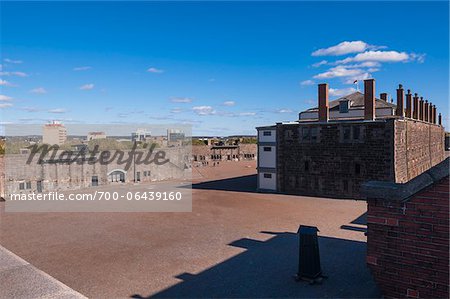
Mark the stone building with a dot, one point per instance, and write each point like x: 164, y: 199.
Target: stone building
x: 206, y: 154
x: 58, y: 174
x: 332, y: 149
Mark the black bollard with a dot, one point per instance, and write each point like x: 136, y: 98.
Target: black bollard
x: 308, y: 255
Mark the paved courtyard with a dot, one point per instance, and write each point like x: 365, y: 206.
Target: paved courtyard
x: 235, y: 243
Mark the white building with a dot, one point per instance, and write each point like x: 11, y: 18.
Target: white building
x: 54, y: 133
x: 96, y: 135
x: 267, y: 158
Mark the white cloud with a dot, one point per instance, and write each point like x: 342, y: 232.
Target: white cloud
x: 155, y: 70
x: 176, y: 110
x: 338, y: 71
x: 57, y: 110
x: 30, y: 109
x: 5, y: 105
x: 363, y: 64
x: 204, y: 110
x: 82, y: 68
x: 381, y: 56
x: 343, y: 48
x: 229, y: 103
x: 87, y: 86
x: 285, y: 111
x: 317, y: 64
x: 5, y: 98
x: 360, y: 77
x: 247, y: 114
x: 39, y: 90
x: 5, y: 83
x: 307, y: 82
x: 18, y: 74
x: 341, y: 92
x: 13, y: 61
x: 181, y: 100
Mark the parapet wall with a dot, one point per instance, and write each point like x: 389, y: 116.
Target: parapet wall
x: 418, y: 146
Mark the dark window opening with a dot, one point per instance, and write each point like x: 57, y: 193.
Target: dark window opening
x: 356, y: 132
x: 21, y: 186
x: 345, y: 185
x: 357, y: 169
x: 267, y: 149
x: 94, y: 181
x: 267, y: 175
x: 343, y: 106
x: 347, y: 133
x: 267, y: 133
x: 28, y: 186
x: 306, y: 166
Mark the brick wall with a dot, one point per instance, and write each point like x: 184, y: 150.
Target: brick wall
x: 418, y: 147
x: 408, y: 243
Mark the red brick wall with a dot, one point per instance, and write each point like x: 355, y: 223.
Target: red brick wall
x: 418, y: 146
x: 408, y: 244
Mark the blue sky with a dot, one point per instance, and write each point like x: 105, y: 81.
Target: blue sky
x: 225, y: 67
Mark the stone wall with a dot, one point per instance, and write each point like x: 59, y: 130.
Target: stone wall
x: 418, y: 147
x: 332, y: 165
x: 203, y: 154
x: 408, y: 239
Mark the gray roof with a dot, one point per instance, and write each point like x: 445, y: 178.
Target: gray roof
x: 356, y: 102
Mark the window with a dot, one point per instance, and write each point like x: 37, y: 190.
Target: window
x: 306, y: 166
x: 94, y: 180
x: 28, y: 186
x: 288, y: 134
x: 347, y: 133
x: 21, y: 186
x: 357, y: 169
x: 314, y: 134
x: 267, y: 133
x: 267, y: 149
x: 267, y: 175
x: 345, y: 185
x: 343, y: 106
x: 356, y: 132
x: 306, y: 134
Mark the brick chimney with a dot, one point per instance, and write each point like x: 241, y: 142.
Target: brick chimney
x: 426, y: 114
x: 323, y: 102
x: 400, y: 111
x: 369, y: 99
x: 421, y: 108
x: 434, y: 114
x: 430, y: 113
x: 416, y: 106
x: 408, y: 110
x: 383, y: 96
x: 440, y: 119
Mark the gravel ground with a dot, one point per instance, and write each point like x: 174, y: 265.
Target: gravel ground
x: 234, y: 243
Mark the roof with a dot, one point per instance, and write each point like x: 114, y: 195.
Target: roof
x: 356, y: 102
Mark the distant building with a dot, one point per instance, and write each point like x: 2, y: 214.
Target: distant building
x: 54, y: 133
x: 333, y: 148
x: 139, y: 135
x: 96, y: 135
x: 174, y: 135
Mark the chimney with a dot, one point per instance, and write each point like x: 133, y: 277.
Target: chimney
x: 440, y: 119
x: 323, y: 102
x: 416, y: 106
x: 421, y: 108
x: 434, y: 114
x: 427, y: 111
x: 369, y: 99
x: 408, y: 111
x: 383, y: 96
x: 400, y: 95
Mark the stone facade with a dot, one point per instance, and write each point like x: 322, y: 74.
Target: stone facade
x: 408, y: 235
x: 20, y: 177
x: 333, y: 159
x: 205, y: 154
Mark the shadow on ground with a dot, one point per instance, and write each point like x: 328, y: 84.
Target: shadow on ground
x: 245, y: 183
x: 266, y: 269
x: 361, y: 221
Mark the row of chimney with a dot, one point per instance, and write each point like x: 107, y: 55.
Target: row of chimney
x: 415, y: 108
